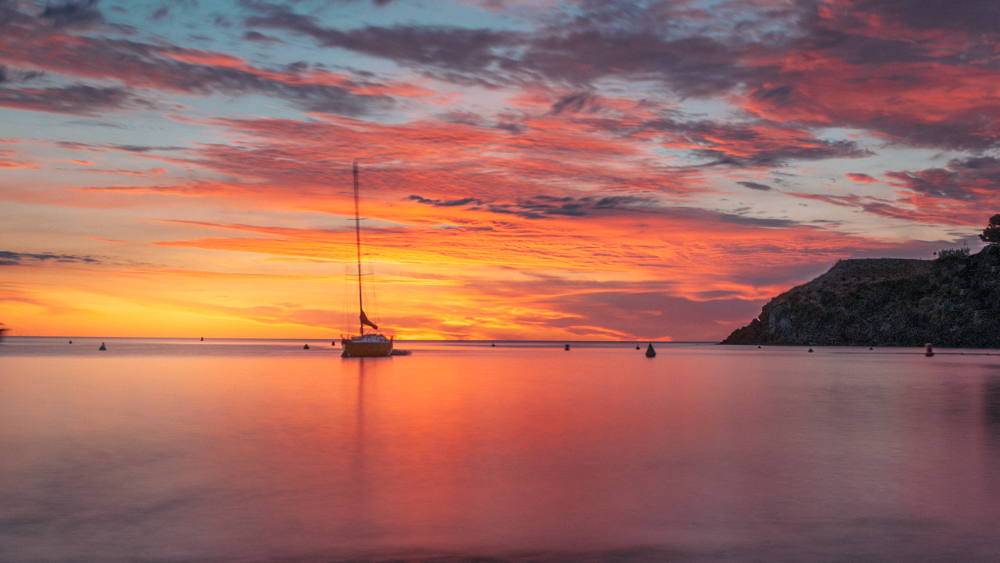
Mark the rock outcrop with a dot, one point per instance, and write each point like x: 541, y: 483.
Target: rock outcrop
x: 953, y: 302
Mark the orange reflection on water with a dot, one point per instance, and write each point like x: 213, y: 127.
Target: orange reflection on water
x: 292, y: 453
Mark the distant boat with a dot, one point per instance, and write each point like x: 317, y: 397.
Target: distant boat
x: 372, y: 344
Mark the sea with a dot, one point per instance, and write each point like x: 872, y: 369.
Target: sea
x: 178, y: 450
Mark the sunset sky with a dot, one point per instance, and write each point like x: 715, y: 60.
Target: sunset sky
x: 530, y: 169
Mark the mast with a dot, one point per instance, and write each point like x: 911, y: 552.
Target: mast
x: 357, y: 232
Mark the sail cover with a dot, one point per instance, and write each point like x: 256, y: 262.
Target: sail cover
x: 365, y: 321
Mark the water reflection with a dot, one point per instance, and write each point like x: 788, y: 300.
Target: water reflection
x: 360, y: 484
x: 501, y: 454
x: 991, y: 403
x: 991, y: 414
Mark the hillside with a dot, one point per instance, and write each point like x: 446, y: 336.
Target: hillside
x: 888, y: 302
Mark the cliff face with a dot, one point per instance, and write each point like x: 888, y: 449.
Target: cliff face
x: 888, y: 302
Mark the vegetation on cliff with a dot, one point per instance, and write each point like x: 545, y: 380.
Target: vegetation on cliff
x: 953, y: 301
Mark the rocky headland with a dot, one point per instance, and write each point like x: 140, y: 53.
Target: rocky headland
x: 953, y: 302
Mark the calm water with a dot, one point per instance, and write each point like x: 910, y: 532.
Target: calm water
x: 260, y: 451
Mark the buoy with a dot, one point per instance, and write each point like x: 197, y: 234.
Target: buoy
x: 70, y: 341
x: 202, y: 338
x: 494, y: 345
x: 870, y: 348
x: 306, y: 347
x: 810, y: 349
x: 928, y: 351
x: 567, y: 347
x: 333, y: 343
x: 650, y: 353
x: 637, y: 346
x: 758, y: 346
x: 102, y: 347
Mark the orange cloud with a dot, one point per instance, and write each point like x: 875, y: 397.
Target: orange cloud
x: 861, y: 178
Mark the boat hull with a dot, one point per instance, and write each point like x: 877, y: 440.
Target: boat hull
x: 366, y: 349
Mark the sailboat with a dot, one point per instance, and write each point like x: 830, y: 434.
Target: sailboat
x: 372, y: 344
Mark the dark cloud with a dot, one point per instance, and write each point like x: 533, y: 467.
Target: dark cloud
x: 858, y: 48
x: 8, y: 258
x: 571, y: 103
x: 984, y: 163
x: 755, y: 186
x: 975, y: 16
x: 777, y: 94
x: 811, y: 149
x: 13, y: 75
x: 73, y: 14
x: 969, y: 130
x: 460, y: 50
x: 756, y: 222
x: 451, y: 203
x: 690, y: 66
x: 758, y: 144
x: 542, y: 206
x: 144, y: 148
x: 78, y: 99
x: 258, y: 37
x: 694, y: 66
x: 965, y: 180
x: 534, y: 209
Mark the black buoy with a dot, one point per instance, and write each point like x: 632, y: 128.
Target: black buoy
x: 870, y: 348
x: 70, y: 341
x: 758, y: 346
x: 637, y: 346
x: 333, y: 343
x: 202, y: 338
x: 928, y: 350
x: 102, y: 347
x: 306, y: 347
x: 650, y: 353
x: 494, y: 345
x: 810, y: 349
x: 567, y: 347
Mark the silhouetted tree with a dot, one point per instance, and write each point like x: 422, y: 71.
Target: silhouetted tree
x: 953, y: 255
x: 991, y: 234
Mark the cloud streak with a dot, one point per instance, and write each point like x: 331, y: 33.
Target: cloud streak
x: 9, y: 258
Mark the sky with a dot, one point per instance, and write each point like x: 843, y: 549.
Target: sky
x: 543, y: 169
